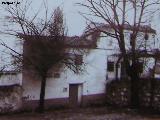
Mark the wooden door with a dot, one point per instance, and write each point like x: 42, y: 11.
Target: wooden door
x: 74, y: 95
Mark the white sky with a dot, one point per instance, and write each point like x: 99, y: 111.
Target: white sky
x: 75, y: 22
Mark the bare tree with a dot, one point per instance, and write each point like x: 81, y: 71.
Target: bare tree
x: 116, y: 15
x: 44, y: 44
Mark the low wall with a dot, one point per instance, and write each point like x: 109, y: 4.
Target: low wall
x: 10, y: 98
x: 118, y: 93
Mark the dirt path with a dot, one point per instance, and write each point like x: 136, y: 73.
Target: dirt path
x: 79, y: 114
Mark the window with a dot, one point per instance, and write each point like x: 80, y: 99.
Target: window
x: 65, y: 89
x: 146, y: 36
x: 153, y: 36
x: 56, y: 75
x: 110, y: 43
x: 110, y: 66
x: 123, y: 70
x: 49, y: 74
x: 78, y: 60
x: 53, y: 74
x: 140, y: 67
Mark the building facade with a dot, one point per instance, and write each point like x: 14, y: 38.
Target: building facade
x: 66, y: 88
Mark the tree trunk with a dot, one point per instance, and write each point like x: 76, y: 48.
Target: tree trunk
x: 134, y: 73
x: 117, y: 64
x: 134, y: 86
x: 42, y: 95
x: 116, y: 71
x: 152, y: 83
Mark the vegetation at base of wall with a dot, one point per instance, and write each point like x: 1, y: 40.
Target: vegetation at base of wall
x: 118, y: 93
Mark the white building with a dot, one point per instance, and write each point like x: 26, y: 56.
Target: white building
x: 10, y: 78
x: 64, y: 87
x: 88, y: 87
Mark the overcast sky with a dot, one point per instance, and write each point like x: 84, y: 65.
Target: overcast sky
x: 75, y: 22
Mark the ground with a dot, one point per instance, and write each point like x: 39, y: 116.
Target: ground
x: 91, y: 113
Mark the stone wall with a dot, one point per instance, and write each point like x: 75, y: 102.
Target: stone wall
x: 118, y: 93
x: 10, y: 98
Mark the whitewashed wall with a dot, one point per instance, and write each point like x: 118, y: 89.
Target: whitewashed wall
x: 11, y: 79
x: 93, y: 78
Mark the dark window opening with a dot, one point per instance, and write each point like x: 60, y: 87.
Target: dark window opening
x: 123, y: 70
x: 78, y: 60
x: 140, y: 67
x: 110, y: 66
x: 146, y: 36
x: 56, y: 75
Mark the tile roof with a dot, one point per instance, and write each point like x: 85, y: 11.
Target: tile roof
x: 141, y: 28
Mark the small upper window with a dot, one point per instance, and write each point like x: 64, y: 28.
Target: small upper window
x: 146, y: 36
x: 110, y: 66
x: 56, y: 75
x: 110, y: 43
x: 78, y: 60
x: 153, y: 36
x: 140, y: 67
